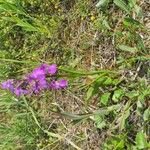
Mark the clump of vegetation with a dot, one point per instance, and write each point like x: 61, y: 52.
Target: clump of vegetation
x: 101, y: 48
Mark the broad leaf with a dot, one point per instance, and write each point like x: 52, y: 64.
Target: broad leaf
x: 128, y: 21
x: 117, y: 95
x: 89, y: 93
x: 11, y: 8
x: 104, y: 98
x: 146, y: 115
x: 108, y: 81
x: 102, y: 3
x: 127, y: 48
x: 122, y: 5
x: 126, y: 112
x: 99, y: 121
x: 141, y: 142
x: 123, y: 119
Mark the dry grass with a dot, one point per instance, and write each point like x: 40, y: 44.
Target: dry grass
x: 81, y: 37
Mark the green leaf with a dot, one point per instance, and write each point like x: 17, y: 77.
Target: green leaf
x: 106, y: 24
x: 11, y: 8
x: 142, y: 58
x: 100, y: 80
x: 107, y: 110
x: 99, y: 121
x: 144, y: 94
x: 132, y: 3
x: 120, y: 144
x: 127, y: 48
x: 74, y: 116
x: 104, y: 98
x: 132, y: 94
x: 102, y: 3
x: 27, y: 26
x: 116, y: 81
x: 128, y: 21
x: 126, y: 112
x: 117, y: 95
x: 122, y: 5
x: 138, y: 11
x: 146, y: 115
x: 123, y: 119
x: 141, y: 142
x: 108, y: 81
x: 89, y: 93
x: 85, y: 72
x: 140, y: 43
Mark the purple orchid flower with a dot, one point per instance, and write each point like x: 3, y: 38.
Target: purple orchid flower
x: 35, y: 88
x: 37, y: 73
x: 36, y: 81
x: 52, y: 69
x: 8, y: 85
x: 63, y: 83
x: 58, y: 84
x: 19, y: 91
x: 38, y: 85
x: 49, y: 69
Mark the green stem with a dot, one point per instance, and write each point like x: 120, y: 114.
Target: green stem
x: 86, y: 72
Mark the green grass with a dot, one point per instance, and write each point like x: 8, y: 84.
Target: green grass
x: 102, y: 49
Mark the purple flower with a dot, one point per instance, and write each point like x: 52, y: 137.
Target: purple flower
x: 44, y: 67
x: 37, y: 74
x: 52, y: 69
x: 36, y: 88
x: 42, y: 71
x: 54, y: 85
x: 8, y: 85
x: 63, y: 83
x: 38, y: 85
x: 58, y: 84
x: 36, y: 81
x: 42, y: 83
x: 19, y: 91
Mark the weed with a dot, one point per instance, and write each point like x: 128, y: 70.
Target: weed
x: 102, y: 49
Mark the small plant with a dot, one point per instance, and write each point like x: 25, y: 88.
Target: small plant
x: 41, y: 78
x: 96, y: 94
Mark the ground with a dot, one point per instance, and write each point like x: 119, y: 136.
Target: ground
x: 102, y: 48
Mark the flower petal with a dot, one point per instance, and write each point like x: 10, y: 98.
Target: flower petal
x: 63, y: 83
x: 58, y: 84
x: 8, y: 85
x: 52, y: 69
x: 18, y: 91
